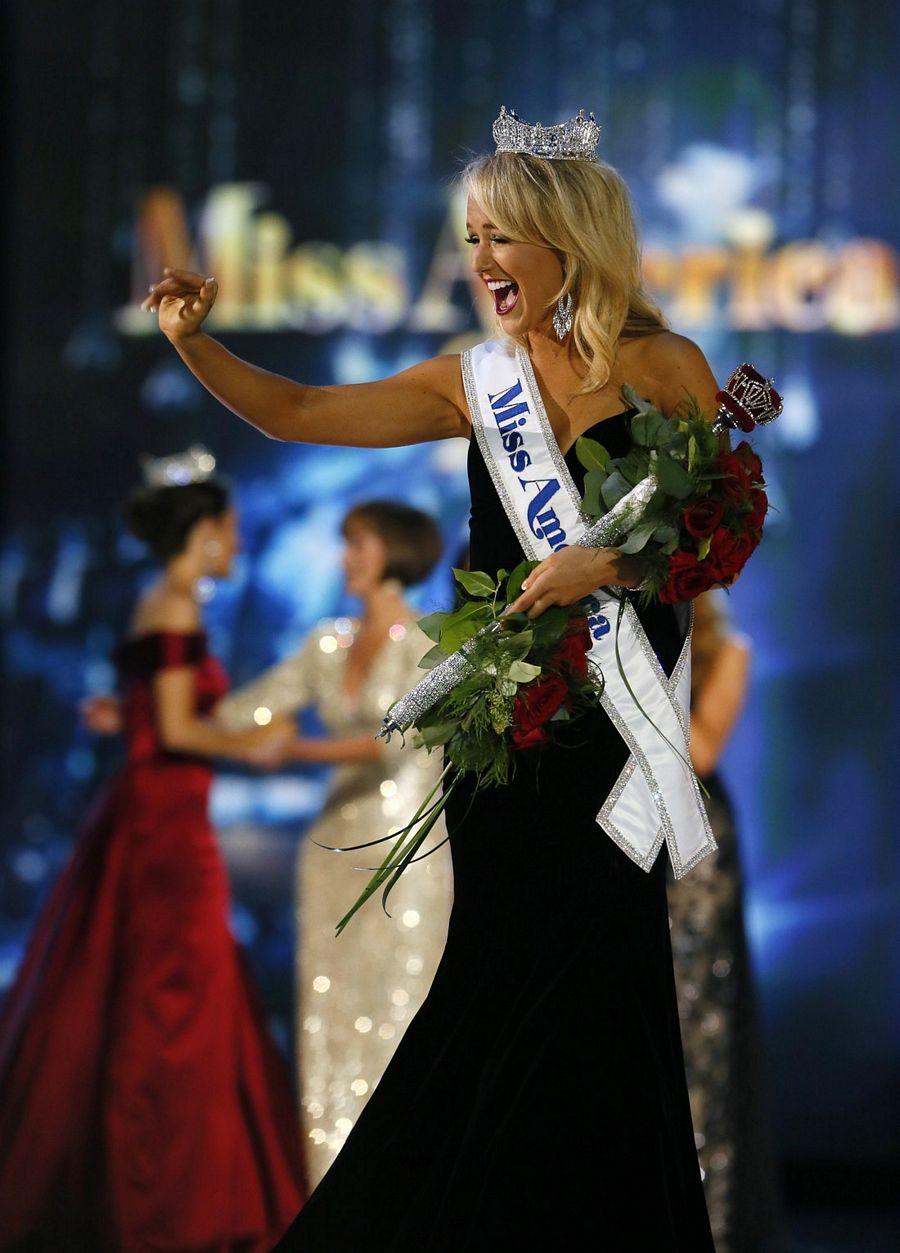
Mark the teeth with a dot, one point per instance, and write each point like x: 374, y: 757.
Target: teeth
x: 497, y: 284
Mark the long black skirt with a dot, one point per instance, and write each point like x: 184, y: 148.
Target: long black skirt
x: 538, y: 1099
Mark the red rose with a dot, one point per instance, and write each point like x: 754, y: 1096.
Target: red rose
x: 702, y: 517
x: 750, y: 461
x: 760, y: 502
x: 529, y: 739
x: 535, y: 704
x: 728, y: 553
x: 572, y: 650
x: 687, y: 578
x: 735, y: 486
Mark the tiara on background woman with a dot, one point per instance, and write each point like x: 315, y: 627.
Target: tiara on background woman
x: 194, y: 466
x: 575, y: 140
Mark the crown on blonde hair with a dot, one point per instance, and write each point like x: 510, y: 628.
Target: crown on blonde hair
x: 582, y: 210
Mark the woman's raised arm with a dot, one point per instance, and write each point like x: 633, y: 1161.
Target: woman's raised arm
x: 422, y: 403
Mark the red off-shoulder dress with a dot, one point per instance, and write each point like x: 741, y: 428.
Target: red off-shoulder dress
x: 143, y: 1104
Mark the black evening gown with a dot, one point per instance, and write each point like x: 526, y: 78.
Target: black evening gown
x: 538, y: 1099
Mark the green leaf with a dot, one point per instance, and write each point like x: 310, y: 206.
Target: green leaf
x: 432, y: 658
x: 431, y: 736
x: 672, y: 477
x: 637, y: 539
x: 647, y: 428
x: 475, y: 582
x: 593, y: 485
x: 523, y: 672
x: 665, y: 534
x: 703, y: 547
x: 514, y: 583
x: 635, y: 466
x: 591, y: 454
x: 432, y: 625
x: 562, y: 715
x: 614, y: 489
x: 517, y: 645
x: 463, y: 624
x: 551, y: 625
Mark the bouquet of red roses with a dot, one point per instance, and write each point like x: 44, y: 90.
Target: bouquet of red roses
x: 520, y: 682
x: 692, y: 508
x: 720, y: 530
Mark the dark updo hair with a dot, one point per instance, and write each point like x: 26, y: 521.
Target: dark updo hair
x: 163, y: 517
x: 411, y: 537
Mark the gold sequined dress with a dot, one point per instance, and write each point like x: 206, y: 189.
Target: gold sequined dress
x: 357, y: 993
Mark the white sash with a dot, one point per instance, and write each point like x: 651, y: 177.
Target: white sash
x: 656, y: 797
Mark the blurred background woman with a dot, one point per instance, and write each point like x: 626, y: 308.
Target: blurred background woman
x: 712, y: 967
x: 355, y: 995
x: 142, y: 1102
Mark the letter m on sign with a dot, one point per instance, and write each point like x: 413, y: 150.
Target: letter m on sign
x: 506, y: 405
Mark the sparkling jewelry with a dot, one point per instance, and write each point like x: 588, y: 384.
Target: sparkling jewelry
x: 563, y: 315
x: 574, y: 140
x: 194, y: 466
x: 747, y: 400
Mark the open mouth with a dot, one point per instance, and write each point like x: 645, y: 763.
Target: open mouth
x: 505, y: 293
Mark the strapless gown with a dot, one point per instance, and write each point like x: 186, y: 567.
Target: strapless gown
x: 538, y: 1099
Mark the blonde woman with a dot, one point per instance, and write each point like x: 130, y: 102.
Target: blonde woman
x: 538, y: 1099
x: 356, y: 996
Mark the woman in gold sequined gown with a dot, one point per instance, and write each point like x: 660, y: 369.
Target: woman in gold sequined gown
x: 355, y: 995
x: 713, y: 970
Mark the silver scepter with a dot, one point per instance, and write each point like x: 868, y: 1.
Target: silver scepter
x: 428, y: 691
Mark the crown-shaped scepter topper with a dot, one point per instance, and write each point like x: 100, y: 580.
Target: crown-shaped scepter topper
x: 574, y: 140
x: 746, y: 401
x: 194, y: 466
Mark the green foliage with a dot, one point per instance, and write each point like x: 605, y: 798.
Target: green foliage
x: 672, y: 477
x: 593, y: 484
x: 591, y: 454
x: 475, y: 582
x: 614, y: 489
x: 432, y: 658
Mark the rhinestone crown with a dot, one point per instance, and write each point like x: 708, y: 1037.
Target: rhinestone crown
x: 747, y: 400
x: 575, y: 140
x: 193, y: 466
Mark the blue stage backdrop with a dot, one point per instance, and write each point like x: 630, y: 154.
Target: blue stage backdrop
x: 304, y: 154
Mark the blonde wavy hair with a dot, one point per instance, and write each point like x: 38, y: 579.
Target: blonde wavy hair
x: 582, y: 210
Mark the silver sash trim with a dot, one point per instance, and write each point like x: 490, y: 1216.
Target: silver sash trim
x: 656, y: 797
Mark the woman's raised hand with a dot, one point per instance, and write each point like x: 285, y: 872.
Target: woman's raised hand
x: 183, y: 299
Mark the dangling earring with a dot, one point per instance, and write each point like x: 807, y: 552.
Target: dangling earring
x: 563, y: 315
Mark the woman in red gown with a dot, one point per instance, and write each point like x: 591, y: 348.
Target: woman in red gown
x: 142, y: 1103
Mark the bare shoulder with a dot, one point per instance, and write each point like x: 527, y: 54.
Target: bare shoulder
x: 164, y: 608
x: 673, y: 369
x: 442, y: 377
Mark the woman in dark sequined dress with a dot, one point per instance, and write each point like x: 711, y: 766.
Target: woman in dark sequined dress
x: 713, y: 972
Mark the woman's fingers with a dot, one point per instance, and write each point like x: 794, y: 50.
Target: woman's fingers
x: 534, y: 587
x: 176, y: 283
x: 189, y: 277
